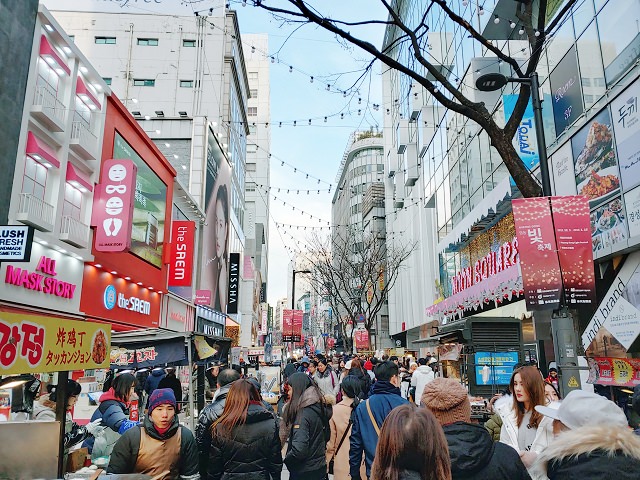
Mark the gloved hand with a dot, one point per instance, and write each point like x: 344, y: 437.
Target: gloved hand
x: 95, y: 428
x: 528, y: 458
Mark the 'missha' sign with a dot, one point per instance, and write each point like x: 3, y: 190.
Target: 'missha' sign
x: 492, y: 263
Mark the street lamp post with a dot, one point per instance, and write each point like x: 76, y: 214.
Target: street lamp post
x: 562, y: 327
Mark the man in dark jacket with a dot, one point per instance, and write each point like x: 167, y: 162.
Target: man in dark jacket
x: 385, y: 396
x: 474, y: 455
x: 593, y: 440
x: 161, y: 447
x: 153, y: 380
x: 210, y: 414
x: 171, y: 381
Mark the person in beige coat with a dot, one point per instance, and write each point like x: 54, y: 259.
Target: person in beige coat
x: 340, y: 423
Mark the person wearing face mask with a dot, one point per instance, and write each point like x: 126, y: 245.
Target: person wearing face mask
x: 369, y: 416
x: 160, y: 447
x: 524, y: 428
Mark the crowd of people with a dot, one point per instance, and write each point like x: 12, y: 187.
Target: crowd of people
x: 361, y: 418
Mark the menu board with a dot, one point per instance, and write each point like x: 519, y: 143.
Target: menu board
x: 626, y: 125
x: 595, y: 161
x: 608, y: 225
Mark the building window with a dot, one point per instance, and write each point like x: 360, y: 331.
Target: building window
x: 188, y: 43
x: 252, y: 111
x: 251, y: 167
x: 148, y: 42
x: 35, y: 178
x: 253, y: 76
x: 252, y: 129
x: 252, y: 148
x: 72, y: 202
x: 107, y: 80
x: 250, y: 187
x: 186, y: 83
x: 253, y: 93
x: 141, y: 82
x: 72, y: 38
x: 105, y: 40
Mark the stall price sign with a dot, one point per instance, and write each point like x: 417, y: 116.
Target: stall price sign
x: 37, y: 344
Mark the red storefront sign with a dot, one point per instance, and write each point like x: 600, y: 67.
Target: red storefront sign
x: 575, y: 253
x: 106, y: 296
x: 297, y: 325
x: 621, y: 372
x: 287, y: 325
x: 203, y: 297
x: 113, y: 203
x: 181, y: 263
x: 541, y: 275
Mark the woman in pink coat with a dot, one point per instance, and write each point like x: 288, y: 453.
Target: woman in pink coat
x: 338, y: 445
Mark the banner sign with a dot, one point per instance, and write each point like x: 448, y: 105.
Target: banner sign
x: 15, y: 243
x: 525, y: 141
x: 203, y: 297
x: 566, y: 91
x: 297, y: 325
x: 147, y: 356
x: 450, y: 351
x: 263, y: 323
x: 234, y: 280
x: 573, y: 238
x: 361, y: 339
x: 621, y: 372
x: 537, y: 250
x: 181, y: 263
x: 113, y: 203
x: 494, y: 368
x: 287, y: 325
x: 626, y: 125
x: 38, y: 344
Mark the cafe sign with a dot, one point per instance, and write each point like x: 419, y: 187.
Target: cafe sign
x: 33, y: 343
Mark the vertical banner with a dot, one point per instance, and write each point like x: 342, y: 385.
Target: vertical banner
x: 234, y: 280
x: 182, y: 241
x: 361, y: 339
x: 626, y: 125
x: 287, y: 325
x: 113, y: 204
x: 297, y: 325
x: 524, y: 141
x: 573, y: 237
x: 263, y: 323
x: 537, y: 248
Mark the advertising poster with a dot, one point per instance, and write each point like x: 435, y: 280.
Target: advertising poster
x: 16, y: 243
x: 566, y: 91
x: 147, y: 233
x: 595, y: 160
x: 297, y: 326
x: 573, y: 239
x: 626, y: 125
x: 632, y: 206
x: 234, y: 282
x: 37, y: 344
x: 563, y: 173
x: 494, y: 368
x: 287, y: 325
x: 215, y: 248
x: 537, y: 250
x: 621, y: 372
x: 361, y: 339
x: 608, y: 226
x: 181, y: 266
x: 525, y: 141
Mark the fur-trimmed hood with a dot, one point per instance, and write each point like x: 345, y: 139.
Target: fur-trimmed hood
x: 606, y: 441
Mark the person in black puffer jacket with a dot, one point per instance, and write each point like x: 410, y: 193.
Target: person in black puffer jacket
x: 245, y: 441
x: 474, y: 455
x: 306, y: 422
x: 210, y: 414
x: 356, y: 369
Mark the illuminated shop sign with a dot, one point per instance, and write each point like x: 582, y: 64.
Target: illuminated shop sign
x: 41, y: 280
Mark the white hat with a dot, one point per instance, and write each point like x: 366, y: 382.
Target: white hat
x: 347, y: 365
x: 432, y: 360
x: 580, y: 408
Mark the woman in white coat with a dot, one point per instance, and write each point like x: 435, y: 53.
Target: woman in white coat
x: 523, y: 428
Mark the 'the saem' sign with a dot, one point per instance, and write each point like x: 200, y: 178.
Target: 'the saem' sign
x: 487, y: 266
x: 15, y: 243
x: 234, y: 279
x: 41, y: 280
x: 181, y: 266
x: 113, y: 206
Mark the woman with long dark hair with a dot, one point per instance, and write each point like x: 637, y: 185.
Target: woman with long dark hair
x: 245, y: 441
x: 340, y: 424
x: 412, y: 446
x: 524, y: 428
x: 306, y: 421
x: 357, y: 370
x: 114, y: 412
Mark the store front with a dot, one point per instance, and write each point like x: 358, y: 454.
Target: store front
x: 177, y: 314
x: 210, y: 322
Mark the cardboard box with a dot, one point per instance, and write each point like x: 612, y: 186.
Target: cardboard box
x: 76, y: 459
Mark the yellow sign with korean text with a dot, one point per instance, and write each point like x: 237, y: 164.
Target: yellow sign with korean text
x: 38, y: 344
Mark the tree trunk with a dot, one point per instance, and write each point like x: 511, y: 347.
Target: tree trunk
x: 523, y: 178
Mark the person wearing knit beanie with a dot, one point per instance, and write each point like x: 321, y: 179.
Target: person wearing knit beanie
x: 474, y: 455
x: 448, y: 400
x: 161, y: 396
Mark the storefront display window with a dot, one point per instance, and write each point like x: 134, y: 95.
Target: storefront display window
x: 620, y: 38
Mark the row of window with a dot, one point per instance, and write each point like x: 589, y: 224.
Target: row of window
x: 146, y: 42
x: 150, y: 82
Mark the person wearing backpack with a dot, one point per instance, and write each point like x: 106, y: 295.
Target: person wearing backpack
x: 340, y: 423
x: 306, y: 423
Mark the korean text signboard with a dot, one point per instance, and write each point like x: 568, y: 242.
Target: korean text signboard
x: 494, y: 368
x: 15, y: 243
x: 537, y: 249
x: 621, y: 372
x: 573, y: 238
x: 626, y: 125
x: 566, y: 91
x: 292, y: 325
x: 181, y: 263
x: 113, y: 206
x: 33, y: 343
